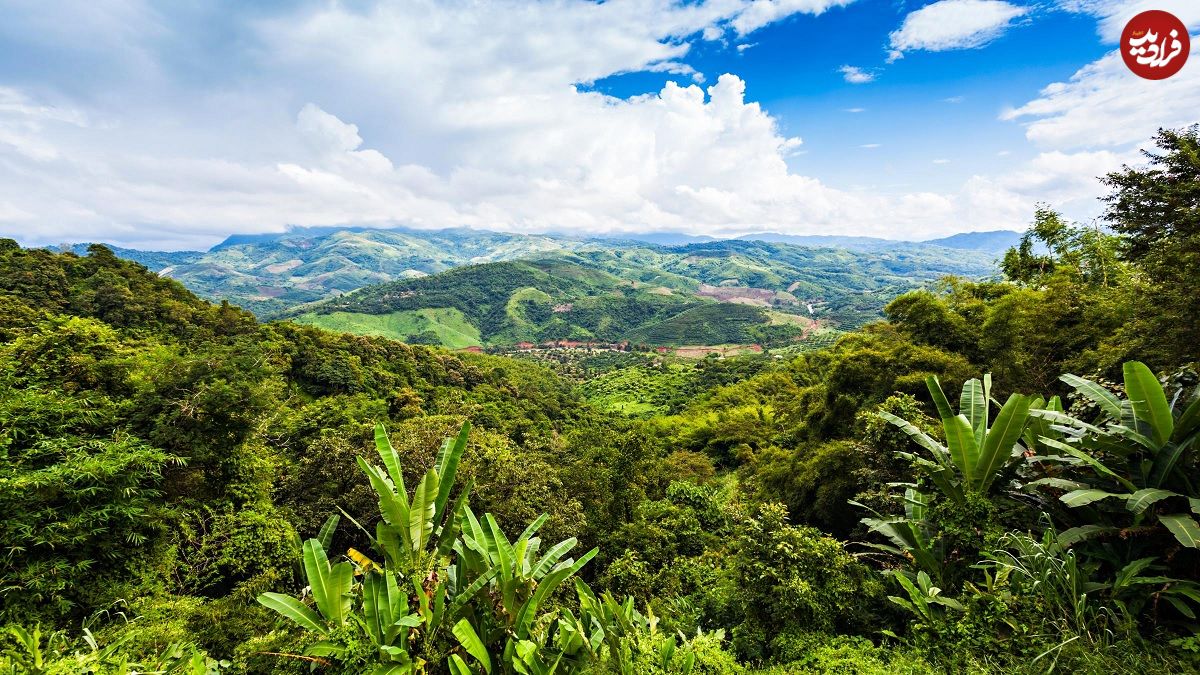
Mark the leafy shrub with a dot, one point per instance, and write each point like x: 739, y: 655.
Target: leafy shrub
x: 30, y: 650
x: 793, y: 578
x: 823, y: 654
x: 77, y: 514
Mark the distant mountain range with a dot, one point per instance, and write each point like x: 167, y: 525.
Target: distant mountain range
x: 995, y: 241
x: 302, y: 273
x: 709, y: 293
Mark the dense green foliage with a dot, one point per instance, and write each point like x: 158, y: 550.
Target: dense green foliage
x: 998, y: 478
x: 699, y: 294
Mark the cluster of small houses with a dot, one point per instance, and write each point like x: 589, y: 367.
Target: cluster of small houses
x: 626, y: 346
x: 574, y: 344
x: 563, y: 344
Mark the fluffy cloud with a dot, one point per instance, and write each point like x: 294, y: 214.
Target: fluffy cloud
x: 1103, y: 104
x: 424, y: 114
x: 856, y: 75
x: 953, y: 24
x: 1087, y: 126
x: 760, y: 13
x: 1114, y: 14
x: 1069, y: 181
x: 433, y: 114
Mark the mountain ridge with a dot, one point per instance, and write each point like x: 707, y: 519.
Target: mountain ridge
x: 271, y: 273
x: 719, y: 292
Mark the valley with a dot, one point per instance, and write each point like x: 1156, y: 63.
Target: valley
x: 463, y: 288
x: 694, y: 295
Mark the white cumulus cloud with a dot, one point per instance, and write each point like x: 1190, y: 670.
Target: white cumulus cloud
x: 436, y: 114
x: 953, y: 24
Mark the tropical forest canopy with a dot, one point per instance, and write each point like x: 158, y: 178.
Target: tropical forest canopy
x: 998, y: 476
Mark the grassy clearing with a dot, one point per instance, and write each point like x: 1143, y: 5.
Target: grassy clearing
x: 449, y: 324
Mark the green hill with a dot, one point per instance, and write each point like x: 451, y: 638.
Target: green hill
x: 714, y: 324
x: 704, y: 293
x: 445, y: 326
x: 507, y: 302
x: 273, y: 272
x: 270, y: 274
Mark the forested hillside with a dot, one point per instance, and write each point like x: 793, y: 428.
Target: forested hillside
x: 271, y: 273
x: 999, y: 476
x: 699, y: 294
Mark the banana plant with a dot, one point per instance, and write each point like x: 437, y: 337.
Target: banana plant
x: 617, y: 632
x: 1135, y: 454
x: 330, y: 586
x: 908, y: 534
x: 978, y: 448
x: 324, y: 536
x: 414, y: 531
x: 924, y: 599
x: 465, y: 633
x: 425, y: 589
x: 388, y: 619
x: 523, y: 580
x: 389, y: 613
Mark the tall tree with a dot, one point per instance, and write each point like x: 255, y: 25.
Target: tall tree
x: 1157, y: 209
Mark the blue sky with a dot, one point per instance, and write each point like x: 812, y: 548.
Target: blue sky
x: 927, y: 106
x: 172, y: 125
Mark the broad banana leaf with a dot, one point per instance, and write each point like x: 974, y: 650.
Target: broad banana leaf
x: 325, y: 536
x: 939, y: 452
x: 1102, y: 397
x: 974, y: 404
x: 1143, y: 498
x: 420, y: 514
x: 391, y: 459
x: 469, y: 639
x: 293, y: 609
x: 392, y: 506
x: 330, y: 584
x: 462, y: 597
x: 1149, y: 402
x: 939, y: 397
x: 1068, y: 538
x: 499, y: 547
x: 1089, y: 460
x: 447, y: 467
x: 552, y: 557
x: 528, y: 612
x: 451, y: 524
x: 1076, y: 498
x: 458, y: 666
x: 1184, y: 528
x: 997, y: 447
x: 960, y: 438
